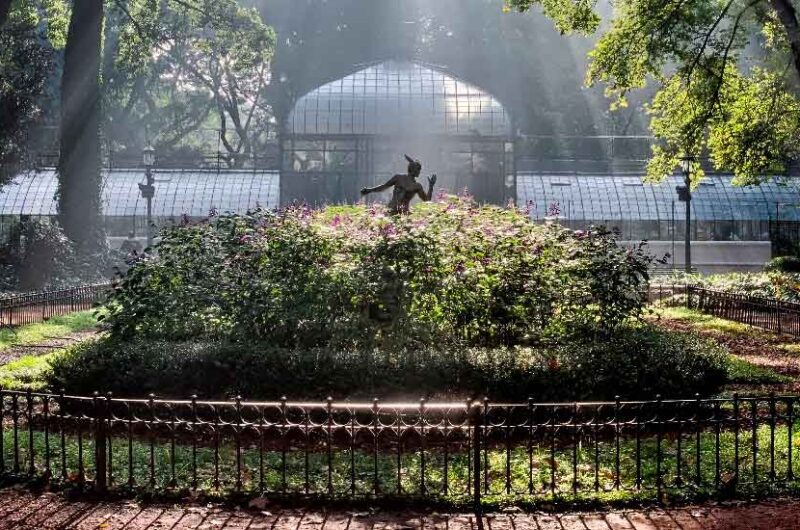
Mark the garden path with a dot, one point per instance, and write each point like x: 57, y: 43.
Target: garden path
x: 45, y: 346
x: 20, y: 510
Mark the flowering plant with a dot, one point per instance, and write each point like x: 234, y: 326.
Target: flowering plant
x: 351, y: 277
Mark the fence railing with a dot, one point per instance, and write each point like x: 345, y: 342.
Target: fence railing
x: 29, y: 308
x: 468, y: 452
x: 772, y: 315
x: 672, y: 295
x: 765, y: 313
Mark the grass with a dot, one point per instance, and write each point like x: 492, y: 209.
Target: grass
x: 27, y: 373
x: 158, y: 467
x: 744, y: 372
x: 54, y: 327
x: 703, y: 322
x: 739, y: 370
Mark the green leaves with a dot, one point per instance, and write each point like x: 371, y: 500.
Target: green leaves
x: 185, y: 65
x: 568, y: 15
x: 710, y: 97
x: 353, y: 278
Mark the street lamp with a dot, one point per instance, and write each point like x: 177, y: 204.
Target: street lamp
x: 148, y: 190
x: 685, y: 195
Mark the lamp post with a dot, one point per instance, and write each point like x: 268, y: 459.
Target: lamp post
x: 148, y: 190
x: 685, y: 195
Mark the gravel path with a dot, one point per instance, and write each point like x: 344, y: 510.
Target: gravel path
x: 22, y: 510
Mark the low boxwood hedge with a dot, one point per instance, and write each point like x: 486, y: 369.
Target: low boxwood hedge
x: 638, y: 363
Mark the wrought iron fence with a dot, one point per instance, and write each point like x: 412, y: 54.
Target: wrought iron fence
x: 671, y: 295
x: 29, y: 308
x: 772, y: 315
x: 468, y: 452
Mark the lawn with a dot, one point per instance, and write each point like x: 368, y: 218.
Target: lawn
x: 28, y: 371
x: 758, y: 357
x: 58, y: 326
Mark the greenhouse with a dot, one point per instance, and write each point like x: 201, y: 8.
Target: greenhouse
x: 720, y: 210
x: 353, y: 132
x: 180, y: 194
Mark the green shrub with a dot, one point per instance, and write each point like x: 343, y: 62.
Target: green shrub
x: 790, y: 264
x: 638, y: 362
x: 351, y: 278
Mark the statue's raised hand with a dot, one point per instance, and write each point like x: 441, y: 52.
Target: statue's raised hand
x: 431, y: 180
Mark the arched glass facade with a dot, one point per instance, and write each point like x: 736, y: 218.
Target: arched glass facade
x: 354, y: 131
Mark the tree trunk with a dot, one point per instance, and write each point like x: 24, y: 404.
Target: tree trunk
x: 788, y: 17
x: 80, y: 162
x: 5, y: 7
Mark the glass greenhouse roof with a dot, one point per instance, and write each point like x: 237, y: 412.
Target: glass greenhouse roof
x: 395, y: 98
x: 608, y: 198
x: 178, y: 192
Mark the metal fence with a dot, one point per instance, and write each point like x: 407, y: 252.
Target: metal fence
x: 468, y: 452
x: 671, y: 295
x: 772, y: 315
x: 29, y: 308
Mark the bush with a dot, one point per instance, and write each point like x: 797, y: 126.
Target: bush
x: 790, y: 264
x: 638, y: 363
x: 351, y: 278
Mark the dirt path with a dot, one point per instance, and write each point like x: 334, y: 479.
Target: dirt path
x: 760, y: 348
x: 45, y: 346
x: 22, y: 510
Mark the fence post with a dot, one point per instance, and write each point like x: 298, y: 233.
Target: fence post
x: 100, y: 452
x: 475, y: 419
x: 689, y: 296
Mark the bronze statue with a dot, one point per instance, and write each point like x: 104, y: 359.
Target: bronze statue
x: 405, y: 188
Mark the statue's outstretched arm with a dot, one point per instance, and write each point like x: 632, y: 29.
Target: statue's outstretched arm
x: 391, y: 182
x: 421, y: 192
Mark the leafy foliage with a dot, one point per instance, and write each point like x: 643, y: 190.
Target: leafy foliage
x: 727, y: 73
x: 639, y: 362
x: 28, y: 38
x: 39, y: 256
x: 788, y: 264
x: 188, y: 65
x: 353, y: 277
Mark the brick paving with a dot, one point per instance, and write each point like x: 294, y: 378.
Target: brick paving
x: 20, y: 509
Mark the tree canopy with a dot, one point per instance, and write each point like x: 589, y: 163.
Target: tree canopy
x: 31, y: 31
x: 727, y: 74
x: 182, y: 66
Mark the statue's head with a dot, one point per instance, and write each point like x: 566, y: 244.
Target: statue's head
x: 414, y: 167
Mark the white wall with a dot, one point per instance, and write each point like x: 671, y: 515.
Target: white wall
x: 710, y: 257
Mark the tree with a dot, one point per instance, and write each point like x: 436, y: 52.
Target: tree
x: 727, y: 74
x: 80, y: 159
x: 193, y: 65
